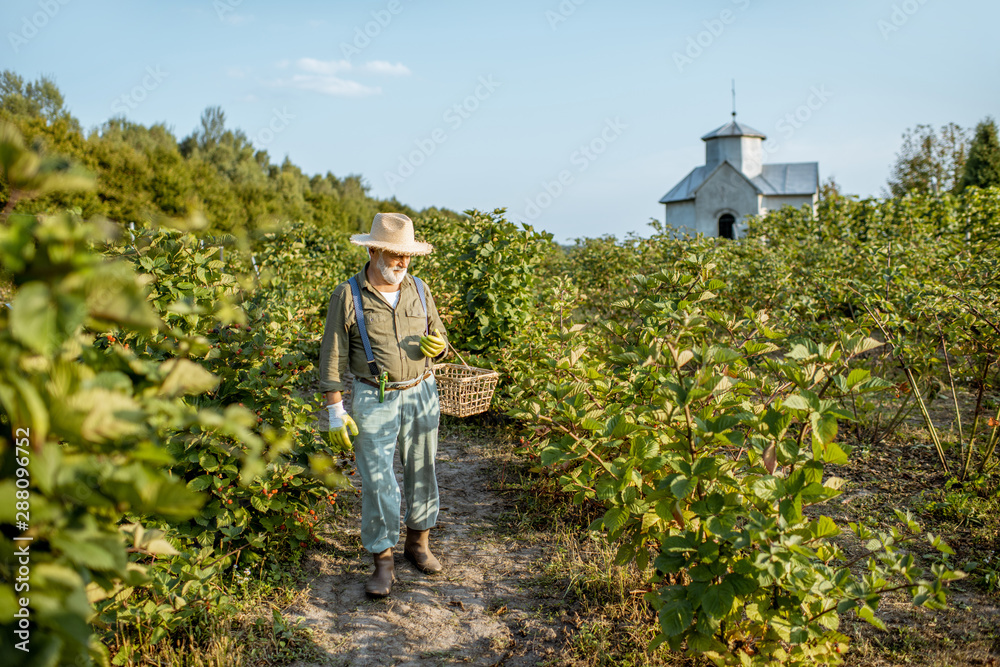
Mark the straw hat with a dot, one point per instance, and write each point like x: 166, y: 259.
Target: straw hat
x: 393, y: 232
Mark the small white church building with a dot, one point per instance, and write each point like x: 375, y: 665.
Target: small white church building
x: 733, y: 183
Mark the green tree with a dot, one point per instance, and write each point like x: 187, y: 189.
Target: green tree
x: 982, y: 169
x: 40, y: 99
x: 929, y: 160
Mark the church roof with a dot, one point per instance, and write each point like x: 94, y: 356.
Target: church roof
x: 793, y: 178
x: 733, y: 129
x: 685, y: 189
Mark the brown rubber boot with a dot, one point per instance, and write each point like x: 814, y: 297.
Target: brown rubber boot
x: 380, y: 584
x: 417, y: 551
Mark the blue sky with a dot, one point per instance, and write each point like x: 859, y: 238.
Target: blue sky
x: 575, y: 115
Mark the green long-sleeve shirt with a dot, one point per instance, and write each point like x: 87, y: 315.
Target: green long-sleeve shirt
x: 394, y: 333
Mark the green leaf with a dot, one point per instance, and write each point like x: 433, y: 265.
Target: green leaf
x: 109, y: 415
x: 769, y: 488
x: 90, y: 551
x: 184, y: 376
x: 682, y: 486
x: 619, y: 427
x: 868, y: 614
x: 718, y: 599
x: 831, y: 453
x: 940, y: 544
x: 742, y: 584
x: 705, y: 467
x: 161, y: 546
x: 200, y: 483
x: 173, y: 500
x: 675, y: 617
x: 208, y: 461
x: 33, y: 318
x: 824, y: 527
x: 796, y: 402
x: 708, y: 507
x: 857, y: 376
x: 824, y: 428
x: 614, y: 519
x: 114, y: 295
x: 790, y: 509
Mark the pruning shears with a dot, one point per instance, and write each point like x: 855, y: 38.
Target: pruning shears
x: 382, y: 379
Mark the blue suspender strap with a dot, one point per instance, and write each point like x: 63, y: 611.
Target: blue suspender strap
x: 359, y: 314
x: 427, y: 318
x: 423, y: 303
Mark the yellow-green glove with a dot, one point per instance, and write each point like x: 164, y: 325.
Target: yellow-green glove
x: 342, y: 427
x: 432, y: 345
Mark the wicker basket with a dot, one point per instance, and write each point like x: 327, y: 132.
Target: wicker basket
x: 464, y: 390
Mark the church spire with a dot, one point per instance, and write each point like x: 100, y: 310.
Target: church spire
x: 734, y: 100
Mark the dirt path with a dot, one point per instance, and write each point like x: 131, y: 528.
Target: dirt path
x: 491, y: 606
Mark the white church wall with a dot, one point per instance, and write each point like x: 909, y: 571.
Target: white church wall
x: 752, y: 156
x: 681, y: 216
x: 726, y: 191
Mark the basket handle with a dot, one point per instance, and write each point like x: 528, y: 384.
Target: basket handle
x: 464, y: 362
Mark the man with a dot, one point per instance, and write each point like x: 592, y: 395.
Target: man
x: 394, y: 395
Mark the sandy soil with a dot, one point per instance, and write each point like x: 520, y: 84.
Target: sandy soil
x: 491, y: 605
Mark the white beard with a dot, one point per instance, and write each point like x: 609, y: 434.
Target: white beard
x: 389, y: 274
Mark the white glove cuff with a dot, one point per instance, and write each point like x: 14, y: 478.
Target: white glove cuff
x: 337, y: 409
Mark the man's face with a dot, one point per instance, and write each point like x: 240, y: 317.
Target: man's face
x: 390, y: 265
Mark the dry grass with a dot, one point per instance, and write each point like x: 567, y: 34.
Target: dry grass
x: 246, y: 640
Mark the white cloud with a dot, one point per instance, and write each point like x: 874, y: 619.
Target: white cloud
x: 237, y: 72
x: 331, y: 85
x: 327, y: 76
x: 323, y: 66
x: 387, y: 68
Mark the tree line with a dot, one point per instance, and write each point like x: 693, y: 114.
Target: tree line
x: 146, y: 173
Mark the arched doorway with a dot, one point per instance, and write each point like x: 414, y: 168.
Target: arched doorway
x: 726, y: 223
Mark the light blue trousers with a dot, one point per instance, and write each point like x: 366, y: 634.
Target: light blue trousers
x: 410, y: 418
